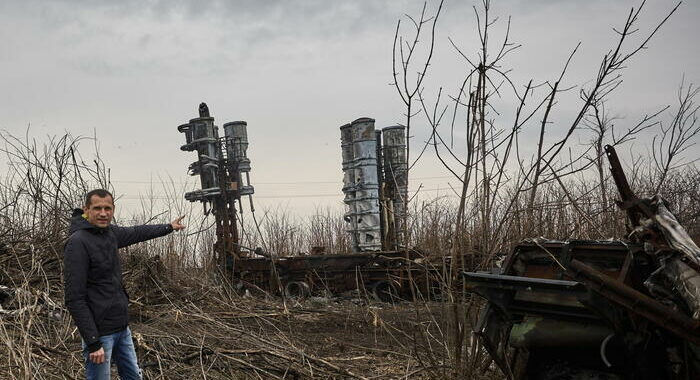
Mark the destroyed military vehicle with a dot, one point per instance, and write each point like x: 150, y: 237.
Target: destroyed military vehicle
x: 619, y: 309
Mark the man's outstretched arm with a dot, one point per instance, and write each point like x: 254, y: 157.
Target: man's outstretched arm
x: 131, y: 235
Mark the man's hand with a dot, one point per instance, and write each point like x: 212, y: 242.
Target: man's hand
x: 98, y: 357
x: 177, y: 225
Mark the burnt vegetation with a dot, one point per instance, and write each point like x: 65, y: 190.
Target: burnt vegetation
x: 190, y: 322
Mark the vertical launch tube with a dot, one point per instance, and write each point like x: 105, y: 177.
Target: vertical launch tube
x: 396, y: 174
x: 349, y: 182
x: 236, y: 133
x: 366, y: 216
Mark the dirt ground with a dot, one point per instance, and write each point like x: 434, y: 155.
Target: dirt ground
x: 373, y: 339
x: 357, y: 338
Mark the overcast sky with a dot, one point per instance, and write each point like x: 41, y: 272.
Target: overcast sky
x: 132, y: 71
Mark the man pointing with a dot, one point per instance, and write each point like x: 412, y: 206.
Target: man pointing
x: 94, y: 291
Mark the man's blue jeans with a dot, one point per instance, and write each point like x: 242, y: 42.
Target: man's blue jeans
x: 119, y: 347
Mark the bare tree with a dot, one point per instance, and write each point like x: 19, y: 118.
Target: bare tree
x: 602, y: 127
x: 676, y: 137
x: 405, y: 53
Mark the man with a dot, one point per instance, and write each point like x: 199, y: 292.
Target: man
x: 94, y: 292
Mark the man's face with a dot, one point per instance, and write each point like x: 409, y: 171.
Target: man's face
x: 100, y: 211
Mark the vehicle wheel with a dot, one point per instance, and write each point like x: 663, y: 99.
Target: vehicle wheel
x: 384, y: 291
x: 297, y: 289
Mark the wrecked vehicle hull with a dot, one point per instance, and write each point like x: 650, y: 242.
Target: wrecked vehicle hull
x: 382, y: 275
x: 598, y: 309
x: 570, y: 308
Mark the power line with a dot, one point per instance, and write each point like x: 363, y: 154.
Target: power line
x: 160, y: 196
x: 263, y: 183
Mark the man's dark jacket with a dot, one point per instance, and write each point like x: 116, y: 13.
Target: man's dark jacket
x: 95, y: 294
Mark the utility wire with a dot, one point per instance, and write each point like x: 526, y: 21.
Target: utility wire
x: 264, y: 183
x: 339, y: 194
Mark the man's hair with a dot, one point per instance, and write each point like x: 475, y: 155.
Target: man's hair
x: 102, y: 193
